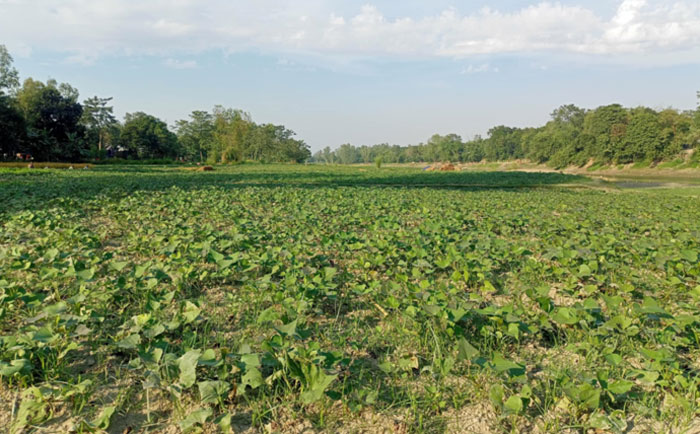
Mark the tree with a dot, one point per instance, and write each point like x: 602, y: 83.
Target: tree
x: 606, y: 125
x: 9, y: 78
x: 446, y: 148
x: 12, y: 129
x: 503, y: 144
x: 676, y: 133
x: 642, y: 138
x: 98, y: 117
x: 52, y: 120
x: 348, y: 154
x: 230, y: 130
x: 146, y: 136
x: 569, y: 115
x: 325, y: 155
x: 558, y: 140
x: 474, y: 150
x: 694, y: 133
x: 196, y: 135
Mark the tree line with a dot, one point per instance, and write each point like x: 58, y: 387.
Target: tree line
x: 610, y: 134
x: 45, y: 121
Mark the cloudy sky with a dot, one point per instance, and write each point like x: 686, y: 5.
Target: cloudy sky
x: 366, y: 71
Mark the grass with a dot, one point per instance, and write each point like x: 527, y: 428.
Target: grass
x: 345, y: 299
x: 671, y: 164
x: 42, y: 165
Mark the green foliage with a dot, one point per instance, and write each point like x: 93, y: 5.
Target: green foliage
x: 204, y: 299
x: 9, y: 78
x: 574, y: 136
x: 98, y: 118
x: 52, y: 116
x: 46, y: 122
x: 146, y: 136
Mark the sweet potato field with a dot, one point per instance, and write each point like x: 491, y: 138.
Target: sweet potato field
x: 326, y: 299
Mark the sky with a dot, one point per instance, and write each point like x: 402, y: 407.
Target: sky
x: 363, y: 72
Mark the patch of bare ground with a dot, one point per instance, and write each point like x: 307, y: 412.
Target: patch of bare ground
x: 640, y: 425
x: 371, y: 422
x: 9, y: 399
x: 473, y: 418
x: 557, y: 356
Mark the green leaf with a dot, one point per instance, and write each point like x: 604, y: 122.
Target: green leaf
x: 465, y: 350
x: 33, y: 409
x: 268, y: 315
x: 152, y: 356
x: 130, y: 342
x: 613, y: 359
x: 250, y: 360
x: 287, y: 329
x: 117, y: 265
x: 224, y: 422
x: 386, y: 367
x: 211, y: 391
x: 316, y: 383
x: 564, y: 315
x: 585, y: 395
x: 689, y: 255
x: 651, y: 306
x: 86, y: 274
x: 514, y: 404
x: 198, y: 417
x: 620, y: 386
x: 433, y: 309
x: 584, y: 270
x: 56, y: 309
x: 190, y: 312
x: 105, y: 418
x: 501, y: 365
x: 329, y: 273
x: 154, y: 331
x: 496, y: 395
x: 188, y: 368
x: 208, y: 358
x: 43, y: 335
x: 15, y: 366
x: 252, y: 378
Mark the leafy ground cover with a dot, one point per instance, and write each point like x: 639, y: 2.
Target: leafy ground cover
x: 295, y: 298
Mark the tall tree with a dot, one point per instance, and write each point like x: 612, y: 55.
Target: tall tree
x: 230, y: 130
x: 196, y: 135
x: 146, y: 136
x: 348, y: 154
x: 12, y: 129
x: 503, y: 144
x: 9, y: 78
x: 606, y: 125
x: 53, y: 121
x: 642, y: 138
x: 98, y: 117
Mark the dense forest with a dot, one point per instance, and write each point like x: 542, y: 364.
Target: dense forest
x: 46, y: 121
x: 610, y: 134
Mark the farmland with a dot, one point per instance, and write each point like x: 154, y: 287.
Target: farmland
x: 295, y: 298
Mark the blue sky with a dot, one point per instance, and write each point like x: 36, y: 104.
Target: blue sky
x: 363, y: 72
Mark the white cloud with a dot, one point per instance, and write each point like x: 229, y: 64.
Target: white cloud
x: 83, y: 29
x: 477, y: 69
x: 180, y: 64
